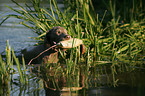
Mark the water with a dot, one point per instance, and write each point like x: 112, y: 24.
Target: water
x: 19, y: 38
x: 130, y: 83
x: 18, y: 35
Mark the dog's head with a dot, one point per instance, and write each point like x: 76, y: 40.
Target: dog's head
x: 55, y: 35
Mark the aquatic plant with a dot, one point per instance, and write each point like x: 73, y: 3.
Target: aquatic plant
x: 119, y: 40
x: 7, y: 71
x: 112, y: 42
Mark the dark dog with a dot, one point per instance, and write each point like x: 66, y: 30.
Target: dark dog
x: 53, y: 36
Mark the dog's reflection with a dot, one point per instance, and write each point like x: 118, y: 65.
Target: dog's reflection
x: 56, y: 82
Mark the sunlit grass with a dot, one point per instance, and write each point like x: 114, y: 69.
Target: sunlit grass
x: 115, y: 39
x: 107, y: 43
x: 7, y: 71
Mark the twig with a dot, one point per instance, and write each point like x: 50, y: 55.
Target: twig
x: 41, y: 53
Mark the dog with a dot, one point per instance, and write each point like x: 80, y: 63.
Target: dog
x: 53, y: 36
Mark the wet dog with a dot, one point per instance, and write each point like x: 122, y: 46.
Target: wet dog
x: 53, y: 36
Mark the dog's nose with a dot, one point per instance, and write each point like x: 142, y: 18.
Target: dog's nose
x: 67, y: 37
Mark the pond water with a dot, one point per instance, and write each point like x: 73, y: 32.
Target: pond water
x: 129, y: 83
x: 18, y: 35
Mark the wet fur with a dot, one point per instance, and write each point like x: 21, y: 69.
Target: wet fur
x: 53, y: 36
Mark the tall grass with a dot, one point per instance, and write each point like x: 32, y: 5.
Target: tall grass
x: 107, y: 41
x: 7, y: 71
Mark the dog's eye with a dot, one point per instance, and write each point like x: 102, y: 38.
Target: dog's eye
x: 58, y: 32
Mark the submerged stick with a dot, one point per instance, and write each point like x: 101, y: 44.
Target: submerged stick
x: 41, y: 53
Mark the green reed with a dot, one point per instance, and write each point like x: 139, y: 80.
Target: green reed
x: 107, y: 41
x: 5, y: 70
x: 22, y: 73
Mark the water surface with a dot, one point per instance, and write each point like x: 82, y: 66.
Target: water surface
x: 18, y: 35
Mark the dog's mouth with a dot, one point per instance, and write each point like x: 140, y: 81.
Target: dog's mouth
x: 66, y: 37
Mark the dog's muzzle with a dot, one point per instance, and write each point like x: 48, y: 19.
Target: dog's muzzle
x: 62, y: 37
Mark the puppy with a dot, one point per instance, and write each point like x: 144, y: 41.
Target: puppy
x: 53, y: 36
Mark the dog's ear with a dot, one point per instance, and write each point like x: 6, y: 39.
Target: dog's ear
x: 47, y: 40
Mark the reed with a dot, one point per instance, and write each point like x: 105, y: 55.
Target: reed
x: 22, y: 73
x: 6, y: 69
x: 107, y: 41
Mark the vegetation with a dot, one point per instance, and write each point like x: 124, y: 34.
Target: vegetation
x: 111, y: 36
x: 122, y: 40
x: 7, y: 71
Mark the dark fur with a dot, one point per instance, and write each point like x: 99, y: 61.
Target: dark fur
x: 53, y: 36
